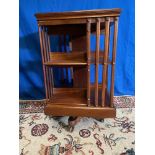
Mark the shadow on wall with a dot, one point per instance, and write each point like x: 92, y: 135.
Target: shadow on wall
x: 31, y: 82
x: 30, y: 68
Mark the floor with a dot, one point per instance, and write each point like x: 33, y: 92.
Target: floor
x: 43, y: 135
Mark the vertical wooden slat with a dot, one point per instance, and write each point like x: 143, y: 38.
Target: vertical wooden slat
x: 47, y: 68
x: 106, y: 46
x: 113, y: 60
x: 43, y: 60
x: 88, y: 28
x: 106, y: 89
x: 50, y: 69
x: 97, y: 60
x: 46, y: 59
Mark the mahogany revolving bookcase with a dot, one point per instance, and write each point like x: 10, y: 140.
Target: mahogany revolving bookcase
x: 65, y: 40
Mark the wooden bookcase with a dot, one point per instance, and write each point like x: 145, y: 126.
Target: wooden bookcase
x: 73, y: 31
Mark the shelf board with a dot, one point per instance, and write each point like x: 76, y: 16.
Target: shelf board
x: 73, y: 58
x: 67, y: 59
x: 75, y: 96
x: 65, y: 63
x: 67, y: 96
x: 73, y: 102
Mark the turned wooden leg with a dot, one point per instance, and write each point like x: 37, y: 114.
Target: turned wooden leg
x: 72, y: 121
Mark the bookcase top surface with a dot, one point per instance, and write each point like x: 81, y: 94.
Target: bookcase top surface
x: 78, y: 14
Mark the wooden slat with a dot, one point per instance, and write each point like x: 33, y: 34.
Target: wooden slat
x: 113, y: 61
x: 88, y: 60
x: 46, y: 59
x: 97, y: 60
x: 107, y: 73
x: 43, y: 60
x: 106, y: 46
x: 51, y: 69
x: 50, y: 72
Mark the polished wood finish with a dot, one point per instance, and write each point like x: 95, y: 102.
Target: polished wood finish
x: 83, y: 111
x: 88, y: 28
x: 107, y: 24
x: 74, y: 58
x: 113, y: 61
x: 77, y: 14
x: 97, y: 59
x: 81, y: 98
x: 50, y: 69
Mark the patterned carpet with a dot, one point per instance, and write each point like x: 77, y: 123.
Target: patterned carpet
x: 43, y: 135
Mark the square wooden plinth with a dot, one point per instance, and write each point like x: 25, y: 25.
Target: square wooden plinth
x: 83, y: 111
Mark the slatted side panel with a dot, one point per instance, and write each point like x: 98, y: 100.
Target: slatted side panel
x: 88, y: 28
x: 105, y: 63
x: 44, y: 59
x: 113, y: 60
x: 47, y: 68
x: 50, y: 71
x: 50, y: 68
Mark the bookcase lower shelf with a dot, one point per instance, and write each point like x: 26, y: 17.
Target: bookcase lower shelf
x: 72, y: 102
